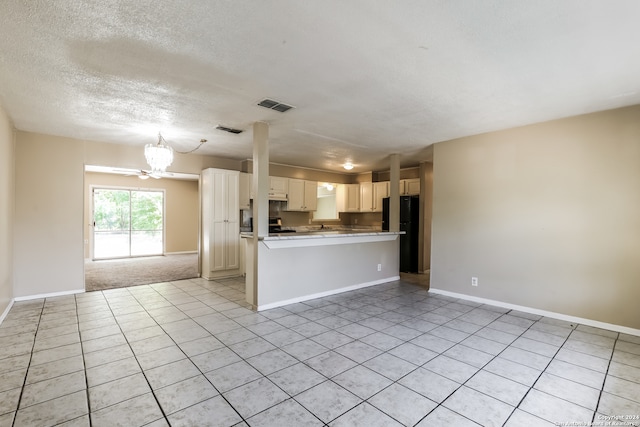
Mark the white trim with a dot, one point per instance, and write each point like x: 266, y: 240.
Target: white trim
x: 51, y: 295
x: 326, y: 294
x: 6, y: 311
x: 559, y: 316
x: 181, y: 253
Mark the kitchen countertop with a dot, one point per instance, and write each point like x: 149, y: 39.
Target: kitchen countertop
x: 321, y: 234
x: 330, y: 261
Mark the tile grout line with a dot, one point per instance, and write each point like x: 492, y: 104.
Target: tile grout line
x: 115, y: 318
x: 383, y: 352
x: 573, y: 328
x: 290, y: 397
x: 186, y: 356
x: 417, y: 366
x: 595, y: 411
x: 84, y: 365
x: 413, y: 370
x: 496, y: 356
x: 387, y: 300
x: 287, y: 328
x: 230, y: 349
x: 439, y: 404
x: 26, y: 373
x: 213, y: 336
x: 303, y: 362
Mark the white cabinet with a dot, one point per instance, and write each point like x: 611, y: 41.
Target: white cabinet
x: 220, y: 223
x: 245, y: 193
x: 380, y: 191
x: 371, y: 195
x: 278, y: 188
x: 311, y: 195
x: 366, y: 196
x: 303, y: 195
x: 410, y: 187
x: 348, y: 197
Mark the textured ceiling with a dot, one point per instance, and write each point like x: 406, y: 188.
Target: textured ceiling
x: 367, y: 77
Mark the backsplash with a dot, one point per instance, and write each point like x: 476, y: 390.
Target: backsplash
x: 290, y: 219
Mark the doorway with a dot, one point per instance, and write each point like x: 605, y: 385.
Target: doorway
x: 127, y: 222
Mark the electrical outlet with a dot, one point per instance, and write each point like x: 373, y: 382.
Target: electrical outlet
x: 474, y: 281
x: 379, y: 267
x: 86, y: 241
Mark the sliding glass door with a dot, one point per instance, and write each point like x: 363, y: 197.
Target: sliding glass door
x: 127, y: 223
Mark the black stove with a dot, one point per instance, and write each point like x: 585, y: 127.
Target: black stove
x: 278, y: 230
x: 275, y: 226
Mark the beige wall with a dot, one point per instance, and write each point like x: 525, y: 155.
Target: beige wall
x: 49, y: 205
x: 546, y: 216
x: 48, y: 217
x: 181, y: 202
x: 7, y: 200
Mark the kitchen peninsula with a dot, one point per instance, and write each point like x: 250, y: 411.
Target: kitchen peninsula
x: 301, y: 266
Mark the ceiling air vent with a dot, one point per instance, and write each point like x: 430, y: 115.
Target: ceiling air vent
x: 275, y: 105
x: 230, y: 130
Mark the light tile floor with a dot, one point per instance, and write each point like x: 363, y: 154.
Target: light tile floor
x: 190, y: 353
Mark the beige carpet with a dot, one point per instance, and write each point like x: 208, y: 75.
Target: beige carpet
x: 118, y: 273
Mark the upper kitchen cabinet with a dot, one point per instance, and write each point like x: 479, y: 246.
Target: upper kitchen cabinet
x: 278, y: 188
x: 410, y: 187
x: 348, y: 197
x: 245, y: 193
x: 220, y: 223
x: 371, y: 195
x: 302, y: 196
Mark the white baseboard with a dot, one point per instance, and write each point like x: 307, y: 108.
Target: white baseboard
x: 6, y: 311
x: 51, y: 295
x: 559, y: 316
x: 181, y: 253
x: 326, y: 294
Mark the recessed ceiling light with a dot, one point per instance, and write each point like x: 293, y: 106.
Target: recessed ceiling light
x: 348, y: 166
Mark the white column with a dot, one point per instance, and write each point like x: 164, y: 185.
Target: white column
x: 260, y: 207
x: 394, y: 193
x: 261, y: 179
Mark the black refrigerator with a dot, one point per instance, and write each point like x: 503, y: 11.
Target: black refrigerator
x: 409, y: 223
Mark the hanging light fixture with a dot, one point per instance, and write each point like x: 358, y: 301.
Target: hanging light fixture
x: 159, y: 156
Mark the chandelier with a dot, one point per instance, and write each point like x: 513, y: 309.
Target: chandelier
x: 159, y: 156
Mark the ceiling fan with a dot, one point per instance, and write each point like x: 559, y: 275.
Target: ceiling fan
x: 142, y: 174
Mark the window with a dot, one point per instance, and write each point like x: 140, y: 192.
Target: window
x: 327, y: 202
x: 127, y: 223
